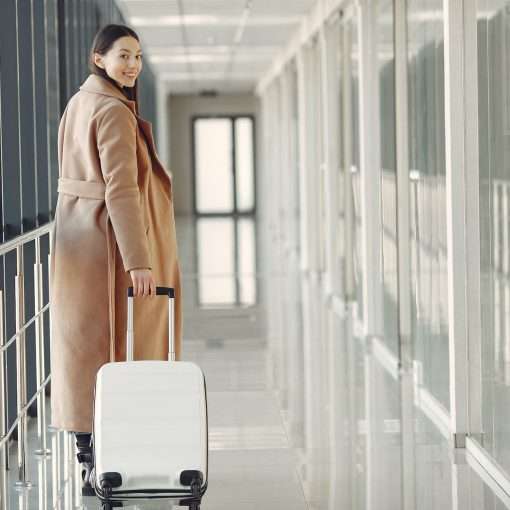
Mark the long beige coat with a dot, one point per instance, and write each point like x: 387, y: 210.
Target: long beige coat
x: 114, y: 213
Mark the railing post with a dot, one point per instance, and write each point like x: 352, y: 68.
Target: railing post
x: 21, y: 371
x: 68, y: 469
x: 4, y: 449
x: 55, y: 468
x: 39, y: 348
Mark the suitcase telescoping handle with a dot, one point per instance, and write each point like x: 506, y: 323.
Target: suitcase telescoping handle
x: 160, y: 291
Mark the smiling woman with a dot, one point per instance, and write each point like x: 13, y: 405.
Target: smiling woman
x: 123, y: 62
x: 114, y: 228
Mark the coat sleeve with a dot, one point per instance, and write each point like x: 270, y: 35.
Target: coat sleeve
x: 116, y: 141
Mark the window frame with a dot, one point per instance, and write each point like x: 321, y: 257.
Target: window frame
x: 232, y: 118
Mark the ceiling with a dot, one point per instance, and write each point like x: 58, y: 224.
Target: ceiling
x: 221, y: 45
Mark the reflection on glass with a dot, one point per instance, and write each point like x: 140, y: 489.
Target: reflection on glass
x: 433, y: 466
x: 246, y: 251
x: 384, y: 429
x: 428, y: 195
x: 494, y: 145
x: 226, y: 261
x: 244, y: 164
x: 216, y: 261
x: 386, y: 60
x: 355, y: 174
x: 213, y: 165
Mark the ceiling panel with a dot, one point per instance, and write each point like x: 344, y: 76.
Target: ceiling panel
x: 222, y: 44
x: 171, y: 7
x: 210, y: 35
x: 268, y: 36
x: 281, y: 7
x: 154, y: 8
x: 257, y: 67
x: 163, y: 37
x: 217, y: 7
x: 239, y: 86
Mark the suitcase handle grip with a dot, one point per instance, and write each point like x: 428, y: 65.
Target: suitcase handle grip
x: 160, y: 291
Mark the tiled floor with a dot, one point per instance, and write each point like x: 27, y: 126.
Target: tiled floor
x: 250, y: 463
x: 281, y: 432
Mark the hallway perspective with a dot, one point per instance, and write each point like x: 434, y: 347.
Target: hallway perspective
x: 259, y: 455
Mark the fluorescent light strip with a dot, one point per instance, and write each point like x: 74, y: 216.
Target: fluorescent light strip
x: 205, y: 58
x: 204, y: 20
x: 243, y: 24
x: 185, y: 40
x: 172, y: 77
x: 268, y: 51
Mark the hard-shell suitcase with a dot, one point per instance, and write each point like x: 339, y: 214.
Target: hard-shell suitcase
x: 149, y: 435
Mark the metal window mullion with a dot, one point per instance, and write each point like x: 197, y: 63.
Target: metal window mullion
x: 328, y: 38
x: 463, y: 229
x: 370, y: 170
x: 233, y: 162
x: 473, y: 277
x: 313, y: 164
x: 237, y: 272
x: 303, y: 115
x: 456, y: 194
x: 371, y: 226
x: 403, y: 199
x: 349, y: 248
x: 285, y: 167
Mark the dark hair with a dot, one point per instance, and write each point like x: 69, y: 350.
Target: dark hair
x: 103, y: 41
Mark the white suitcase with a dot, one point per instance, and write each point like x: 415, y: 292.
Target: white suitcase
x: 150, y: 431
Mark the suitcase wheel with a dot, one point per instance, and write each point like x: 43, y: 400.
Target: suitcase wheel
x: 108, y: 505
x: 194, y: 479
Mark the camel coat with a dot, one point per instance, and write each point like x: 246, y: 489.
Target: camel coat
x: 114, y: 213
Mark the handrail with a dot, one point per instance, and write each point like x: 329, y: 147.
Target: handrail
x: 4, y: 347
x: 25, y: 238
x: 5, y: 437
x: 19, y: 339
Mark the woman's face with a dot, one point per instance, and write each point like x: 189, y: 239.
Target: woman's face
x: 122, y: 62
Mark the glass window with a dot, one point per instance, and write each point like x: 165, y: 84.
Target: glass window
x: 386, y: 59
x: 244, y: 164
x: 494, y: 168
x: 355, y: 162
x: 213, y: 157
x: 226, y: 261
x: 223, y: 150
x: 428, y: 195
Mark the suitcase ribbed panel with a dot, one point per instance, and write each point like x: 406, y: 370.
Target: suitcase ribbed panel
x: 150, y: 422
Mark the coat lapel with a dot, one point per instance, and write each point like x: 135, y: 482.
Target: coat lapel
x: 99, y: 85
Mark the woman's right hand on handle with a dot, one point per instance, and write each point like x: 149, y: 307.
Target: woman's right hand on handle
x: 143, y: 282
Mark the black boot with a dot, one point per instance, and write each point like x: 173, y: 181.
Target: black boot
x: 84, y: 455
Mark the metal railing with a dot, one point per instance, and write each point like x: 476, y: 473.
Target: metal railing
x: 17, y: 245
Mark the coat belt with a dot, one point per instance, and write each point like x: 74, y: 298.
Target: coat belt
x: 83, y: 189
x: 96, y: 191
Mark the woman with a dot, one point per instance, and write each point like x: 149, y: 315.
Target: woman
x: 114, y: 227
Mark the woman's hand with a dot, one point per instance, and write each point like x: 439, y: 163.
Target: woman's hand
x: 143, y: 282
